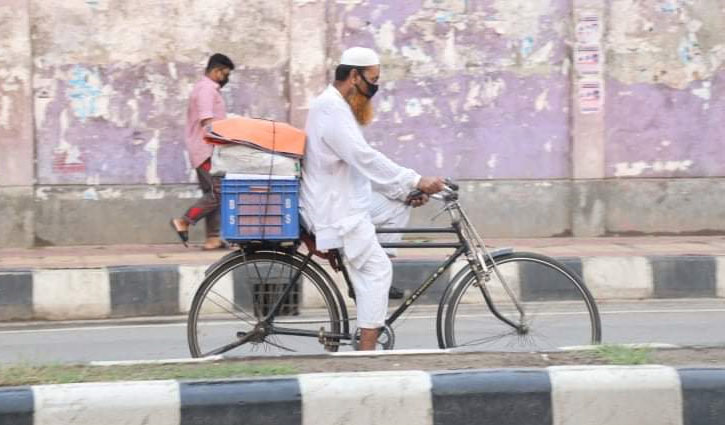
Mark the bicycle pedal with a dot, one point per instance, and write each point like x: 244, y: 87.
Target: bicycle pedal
x: 321, y: 336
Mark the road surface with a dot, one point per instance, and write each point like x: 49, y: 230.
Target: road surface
x: 680, y: 322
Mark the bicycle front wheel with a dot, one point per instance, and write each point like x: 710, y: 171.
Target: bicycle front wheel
x: 555, y: 308
x: 228, y: 310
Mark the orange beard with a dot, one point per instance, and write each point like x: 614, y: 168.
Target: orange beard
x: 361, y: 107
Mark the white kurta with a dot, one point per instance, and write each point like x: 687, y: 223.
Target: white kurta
x: 339, y: 173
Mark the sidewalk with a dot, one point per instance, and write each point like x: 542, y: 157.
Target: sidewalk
x: 128, y: 255
x: 95, y: 282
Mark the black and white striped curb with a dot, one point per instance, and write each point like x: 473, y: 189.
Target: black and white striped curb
x: 601, y: 395
x: 115, y: 292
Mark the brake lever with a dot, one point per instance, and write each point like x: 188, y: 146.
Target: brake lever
x: 413, y: 195
x: 449, y: 193
x: 451, y: 184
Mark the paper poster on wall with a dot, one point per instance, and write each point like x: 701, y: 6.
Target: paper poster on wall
x: 590, y: 96
x: 588, y: 29
x: 588, y: 59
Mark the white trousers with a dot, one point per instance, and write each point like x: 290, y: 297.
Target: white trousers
x: 368, y: 264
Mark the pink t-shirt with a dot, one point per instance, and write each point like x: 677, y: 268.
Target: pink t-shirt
x: 205, y: 102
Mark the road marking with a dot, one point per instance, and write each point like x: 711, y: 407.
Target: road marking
x: 63, y: 294
x: 720, y: 277
x: 150, y: 402
x: 707, y: 310
x: 380, y: 353
x: 631, y: 395
x: 190, y: 278
x: 635, y: 346
x: 618, y: 277
x: 92, y: 327
x: 383, y: 398
x: 209, y: 359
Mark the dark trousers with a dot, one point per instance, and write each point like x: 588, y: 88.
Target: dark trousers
x: 208, y: 205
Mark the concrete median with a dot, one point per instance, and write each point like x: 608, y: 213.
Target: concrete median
x: 166, y: 290
x: 562, y: 395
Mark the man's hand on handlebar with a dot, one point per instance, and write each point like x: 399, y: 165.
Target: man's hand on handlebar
x: 428, y: 186
x: 418, y: 200
x: 431, y: 185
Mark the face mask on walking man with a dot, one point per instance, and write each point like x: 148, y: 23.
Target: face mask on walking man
x: 349, y: 188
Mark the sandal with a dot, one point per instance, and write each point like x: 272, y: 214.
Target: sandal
x: 183, y: 234
x: 220, y: 245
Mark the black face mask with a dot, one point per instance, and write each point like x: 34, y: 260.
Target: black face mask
x: 224, y: 82
x: 372, y: 88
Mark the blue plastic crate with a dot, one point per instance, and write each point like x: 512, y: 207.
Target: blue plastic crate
x: 260, y: 209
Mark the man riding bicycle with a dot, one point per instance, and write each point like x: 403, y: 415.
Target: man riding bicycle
x: 349, y: 188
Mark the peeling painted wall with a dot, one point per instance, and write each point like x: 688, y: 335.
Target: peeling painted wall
x: 112, y: 79
x: 16, y: 124
x: 471, y: 89
x: 475, y: 89
x: 93, y: 98
x: 665, y: 88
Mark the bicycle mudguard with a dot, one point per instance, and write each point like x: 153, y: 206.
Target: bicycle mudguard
x: 501, y: 251
x: 221, y: 261
x: 452, y: 283
x: 248, y: 250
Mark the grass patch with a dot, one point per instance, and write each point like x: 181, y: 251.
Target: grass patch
x: 622, y: 355
x: 18, y: 375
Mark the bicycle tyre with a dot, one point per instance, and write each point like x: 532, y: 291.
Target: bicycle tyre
x: 241, y: 302
x: 550, y: 295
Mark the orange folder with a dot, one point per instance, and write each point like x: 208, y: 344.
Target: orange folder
x: 268, y: 135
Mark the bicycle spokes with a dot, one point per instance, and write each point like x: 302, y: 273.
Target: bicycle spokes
x: 243, y: 305
x: 556, y: 309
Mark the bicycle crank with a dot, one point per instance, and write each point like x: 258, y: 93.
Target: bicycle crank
x: 330, y: 344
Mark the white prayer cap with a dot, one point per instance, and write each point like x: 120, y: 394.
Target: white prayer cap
x: 359, y: 56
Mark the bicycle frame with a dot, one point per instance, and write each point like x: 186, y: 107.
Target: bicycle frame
x: 460, y: 250
x: 468, y: 244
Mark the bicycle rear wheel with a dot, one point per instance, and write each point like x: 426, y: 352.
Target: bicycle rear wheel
x: 558, y: 309
x: 227, y: 311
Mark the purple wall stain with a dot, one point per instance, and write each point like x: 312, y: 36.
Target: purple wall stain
x: 259, y: 93
x: 508, y: 138
x: 654, y: 124
x: 503, y: 135
x: 377, y: 12
x: 117, y: 154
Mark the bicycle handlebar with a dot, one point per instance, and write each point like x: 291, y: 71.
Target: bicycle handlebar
x: 450, y: 190
x: 452, y: 185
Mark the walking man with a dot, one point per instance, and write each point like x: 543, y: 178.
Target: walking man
x: 349, y: 188
x: 205, y: 105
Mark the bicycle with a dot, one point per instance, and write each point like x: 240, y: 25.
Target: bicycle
x: 273, y: 296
